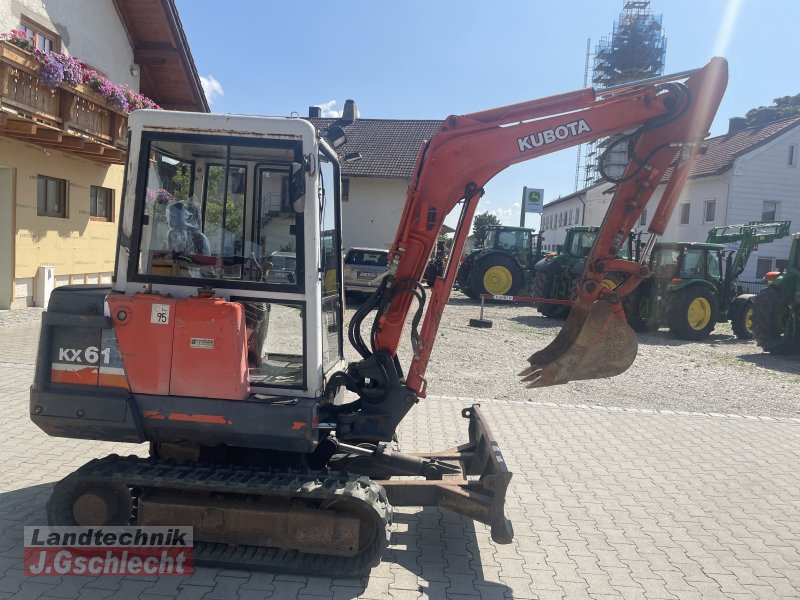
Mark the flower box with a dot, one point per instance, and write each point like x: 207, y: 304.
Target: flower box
x: 72, y: 109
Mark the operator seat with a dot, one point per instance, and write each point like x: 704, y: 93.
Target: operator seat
x: 184, y: 235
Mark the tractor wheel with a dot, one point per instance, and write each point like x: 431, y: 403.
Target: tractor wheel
x: 432, y: 271
x: 637, y: 309
x: 497, y: 274
x: 692, y: 314
x: 464, y: 279
x: 542, y: 287
x: 772, y: 316
x: 741, y: 314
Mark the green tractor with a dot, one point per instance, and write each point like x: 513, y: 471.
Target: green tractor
x: 694, y: 286
x: 776, y: 308
x: 556, y: 274
x: 503, y: 265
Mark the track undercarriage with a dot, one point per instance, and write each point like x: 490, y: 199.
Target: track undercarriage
x: 325, y: 521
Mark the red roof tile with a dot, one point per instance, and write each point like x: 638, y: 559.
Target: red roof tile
x: 389, y: 146
x: 720, y: 152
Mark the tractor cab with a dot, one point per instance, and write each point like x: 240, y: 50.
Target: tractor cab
x: 686, y: 291
x: 678, y: 265
x: 520, y: 242
x: 579, y: 241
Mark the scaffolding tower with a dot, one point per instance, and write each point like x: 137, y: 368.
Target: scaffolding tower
x: 636, y: 49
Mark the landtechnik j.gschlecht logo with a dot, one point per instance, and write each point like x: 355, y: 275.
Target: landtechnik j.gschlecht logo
x: 115, y: 551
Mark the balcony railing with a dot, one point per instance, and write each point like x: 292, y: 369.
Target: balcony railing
x: 71, y: 119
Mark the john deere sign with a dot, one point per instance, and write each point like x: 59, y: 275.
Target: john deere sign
x: 532, y: 200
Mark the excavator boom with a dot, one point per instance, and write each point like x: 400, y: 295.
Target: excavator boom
x: 662, y: 120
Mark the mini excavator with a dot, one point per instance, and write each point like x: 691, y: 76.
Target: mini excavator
x: 221, y: 339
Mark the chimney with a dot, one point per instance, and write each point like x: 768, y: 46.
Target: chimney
x: 350, y: 112
x: 736, y: 124
x: 314, y: 112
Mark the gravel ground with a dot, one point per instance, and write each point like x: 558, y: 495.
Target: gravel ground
x: 20, y: 317
x: 719, y: 375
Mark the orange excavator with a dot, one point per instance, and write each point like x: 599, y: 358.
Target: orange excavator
x: 221, y: 340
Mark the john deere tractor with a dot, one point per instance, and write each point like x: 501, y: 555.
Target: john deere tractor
x: 694, y: 286
x: 503, y: 265
x: 555, y: 274
x: 775, y: 309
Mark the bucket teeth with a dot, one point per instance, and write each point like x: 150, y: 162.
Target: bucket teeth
x: 593, y: 344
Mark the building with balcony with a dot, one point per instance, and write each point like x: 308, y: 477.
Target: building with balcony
x: 63, y: 145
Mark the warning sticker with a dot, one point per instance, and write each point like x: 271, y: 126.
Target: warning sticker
x: 160, y: 314
x: 201, y: 343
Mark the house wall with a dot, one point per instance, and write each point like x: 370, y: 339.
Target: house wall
x: 371, y: 215
x: 574, y: 213
x: 764, y: 174
x: 696, y: 193
x: 80, y: 250
x: 90, y: 30
x: 761, y: 174
x: 6, y: 236
x: 557, y: 219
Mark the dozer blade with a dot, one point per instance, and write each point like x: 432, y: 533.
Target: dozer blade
x: 592, y: 344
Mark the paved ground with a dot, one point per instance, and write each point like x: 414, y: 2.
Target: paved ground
x: 605, y: 503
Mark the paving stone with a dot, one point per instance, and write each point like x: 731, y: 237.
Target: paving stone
x: 625, y: 503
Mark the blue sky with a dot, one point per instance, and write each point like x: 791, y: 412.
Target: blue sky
x: 425, y: 59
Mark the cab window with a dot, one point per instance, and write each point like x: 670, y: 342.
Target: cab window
x: 693, y: 263
x: 714, y: 265
x: 582, y: 243
x: 513, y: 240
x: 665, y: 263
x: 214, y: 209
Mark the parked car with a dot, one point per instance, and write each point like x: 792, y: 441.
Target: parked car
x: 361, y: 266
x: 284, y: 265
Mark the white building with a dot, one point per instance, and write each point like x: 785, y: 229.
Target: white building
x: 584, y: 207
x: 748, y: 174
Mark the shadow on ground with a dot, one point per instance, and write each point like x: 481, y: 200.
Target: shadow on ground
x: 665, y: 338
x: 439, y: 547
x: 785, y: 364
x: 442, y: 549
x: 537, y: 321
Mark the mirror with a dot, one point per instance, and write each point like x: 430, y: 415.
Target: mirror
x: 297, y: 187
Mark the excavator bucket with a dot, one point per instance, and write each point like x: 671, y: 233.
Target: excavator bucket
x: 593, y: 343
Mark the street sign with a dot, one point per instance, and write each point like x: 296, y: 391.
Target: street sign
x: 532, y: 200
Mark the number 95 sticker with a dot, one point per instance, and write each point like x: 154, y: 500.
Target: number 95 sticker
x: 160, y: 314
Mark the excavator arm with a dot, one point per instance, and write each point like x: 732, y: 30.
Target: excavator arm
x: 662, y: 120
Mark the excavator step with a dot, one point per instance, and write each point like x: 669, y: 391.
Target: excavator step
x: 162, y: 485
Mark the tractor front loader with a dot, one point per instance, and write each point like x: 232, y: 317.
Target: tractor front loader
x: 694, y: 286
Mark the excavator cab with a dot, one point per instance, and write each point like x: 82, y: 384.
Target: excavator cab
x: 252, y: 218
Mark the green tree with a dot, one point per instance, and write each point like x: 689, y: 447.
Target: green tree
x: 786, y: 106
x: 234, y: 211
x: 481, y: 222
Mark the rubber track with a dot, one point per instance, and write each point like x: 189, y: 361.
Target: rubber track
x: 147, y: 473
